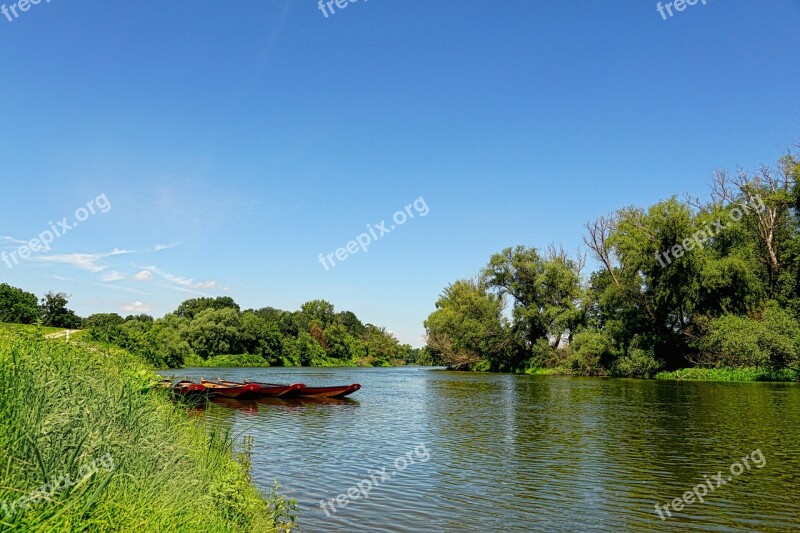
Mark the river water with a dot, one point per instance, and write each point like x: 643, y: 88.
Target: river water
x: 445, y: 451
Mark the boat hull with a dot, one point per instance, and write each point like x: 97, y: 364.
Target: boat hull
x: 325, y: 392
x: 187, y: 389
x: 227, y: 391
x: 267, y: 390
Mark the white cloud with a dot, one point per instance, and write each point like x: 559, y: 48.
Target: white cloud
x: 11, y: 242
x: 182, y: 283
x: 80, y: 261
x: 113, y: 276
x: 91, y: 262
x: 136, y: 307
x: 144, y: 275
x: 159, y: 247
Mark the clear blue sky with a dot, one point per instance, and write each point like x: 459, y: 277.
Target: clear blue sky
x: 252, y: 136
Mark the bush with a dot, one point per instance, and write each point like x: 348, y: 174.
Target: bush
x: 637, y: 363
x: 773, y: 341
x: 592, y: 351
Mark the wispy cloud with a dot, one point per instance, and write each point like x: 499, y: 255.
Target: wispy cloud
x: 136, y: 307
x: 91, y: 262
x: 180, y: 282
x: 96, y: 284
x: 113, y: 276
x: 160, y: 247
x: 7, y: 240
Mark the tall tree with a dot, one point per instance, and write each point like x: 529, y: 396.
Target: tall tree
x: 54, y: 312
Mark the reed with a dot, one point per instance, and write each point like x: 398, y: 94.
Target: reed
x: 65, y: 406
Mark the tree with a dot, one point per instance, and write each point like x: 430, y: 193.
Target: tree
x: 215, y: 332
x: 318, y: 311
x: 54, y: 312
x: 193, y: 307
x: 468, y: 328
x: 105, y: 327
x: 17, y: 306
x: 546, y: 292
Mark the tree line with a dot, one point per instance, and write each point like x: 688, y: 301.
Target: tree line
x: 682, y: 283
x: 202, y: 328
x: 21, y: 307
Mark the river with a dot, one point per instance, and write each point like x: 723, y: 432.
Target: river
x: 446, y: 451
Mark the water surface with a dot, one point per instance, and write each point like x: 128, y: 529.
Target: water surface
x: 522, y: 453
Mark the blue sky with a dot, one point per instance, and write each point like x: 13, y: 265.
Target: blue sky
x: 236, y: 142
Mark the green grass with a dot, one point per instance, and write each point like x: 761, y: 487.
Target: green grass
x: 546, y: 372
x: 728, y: 374
x: 64, y: 406
x: 26, y: 328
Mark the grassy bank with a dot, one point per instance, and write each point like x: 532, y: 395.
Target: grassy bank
x: 728, y: 374
x: 121, y: 456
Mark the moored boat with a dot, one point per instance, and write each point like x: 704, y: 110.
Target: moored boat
x: 325, y: 392
x: 267, y: 390
x: 188, y: 389
x: 230, y: 391
x: 301, y: 391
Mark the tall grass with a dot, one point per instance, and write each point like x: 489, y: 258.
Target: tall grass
x: 728, y: 374
x: 63, y: 406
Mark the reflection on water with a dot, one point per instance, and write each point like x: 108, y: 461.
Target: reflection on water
x: 522, y: 453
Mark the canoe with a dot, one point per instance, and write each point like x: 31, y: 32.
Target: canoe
x: 305, y: 392
x: 325, y: 392
x: 229, y: 391
x: 267, y: 390
x: 187, y: 388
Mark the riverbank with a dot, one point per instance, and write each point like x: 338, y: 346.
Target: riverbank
x: 694, y: 374
x: 90, y: 443
x: 729, y: 374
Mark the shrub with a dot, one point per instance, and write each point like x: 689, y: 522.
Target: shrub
x: 592, y: 351
x: 637, y: 363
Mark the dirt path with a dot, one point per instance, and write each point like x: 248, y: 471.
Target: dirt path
x: 63, y: 333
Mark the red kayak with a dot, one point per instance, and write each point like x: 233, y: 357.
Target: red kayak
x: 325, y: 392
x: 267, y: 390
x: 230, y: 391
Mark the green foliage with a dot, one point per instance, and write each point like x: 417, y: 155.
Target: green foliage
x: 680, y: 283
x: 770, y: 341
x: 729, y: 374
x: 17, y: 306
x: 193, y: 307
x: 468, y: 327
x: 637, y: 363
x: 54, y: 313
x: 592, y: 352
x: 64, y: 406
x: 234, y: 361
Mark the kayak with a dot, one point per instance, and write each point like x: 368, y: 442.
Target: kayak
x: 230, y: 391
